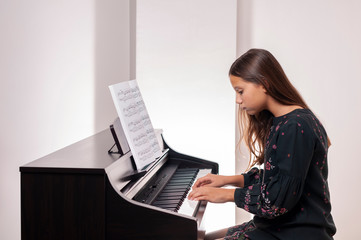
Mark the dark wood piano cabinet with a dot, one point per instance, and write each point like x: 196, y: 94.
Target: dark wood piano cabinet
x: 76, y: 193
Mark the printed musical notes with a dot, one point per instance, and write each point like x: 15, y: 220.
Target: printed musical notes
x: 136, y: 123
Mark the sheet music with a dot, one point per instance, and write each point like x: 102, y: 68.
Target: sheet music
x: 136, y: 123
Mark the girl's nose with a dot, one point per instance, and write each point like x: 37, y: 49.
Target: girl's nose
x: 238, y: 99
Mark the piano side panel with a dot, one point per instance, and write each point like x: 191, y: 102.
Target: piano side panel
x: 126, y: 220
x: 62, y: 206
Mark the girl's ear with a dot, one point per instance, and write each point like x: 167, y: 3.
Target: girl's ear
x: 264, y: 89
x: 266, y: 84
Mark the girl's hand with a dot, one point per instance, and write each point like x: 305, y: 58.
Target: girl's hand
x: 212, y: 194
x: 210, y: 180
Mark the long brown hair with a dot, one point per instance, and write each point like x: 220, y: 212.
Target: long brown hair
x: 260, y: 67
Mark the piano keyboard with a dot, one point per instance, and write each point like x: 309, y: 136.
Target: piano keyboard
x: 189, y: 207
x: 174, y: 195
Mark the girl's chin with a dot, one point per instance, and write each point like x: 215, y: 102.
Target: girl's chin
x: 250, y: 111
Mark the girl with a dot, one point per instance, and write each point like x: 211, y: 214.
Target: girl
x: 289, y: 196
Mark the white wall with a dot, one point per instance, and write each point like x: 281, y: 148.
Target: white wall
x: 184, y: 51
x: 318, y: 44
x: 57, y: 58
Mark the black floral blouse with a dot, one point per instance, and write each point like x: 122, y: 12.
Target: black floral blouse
x: 289, y: 196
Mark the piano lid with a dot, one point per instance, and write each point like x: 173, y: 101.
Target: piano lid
x: 89, y: 155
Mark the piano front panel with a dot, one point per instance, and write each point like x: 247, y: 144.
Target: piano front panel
x: 62, y: 206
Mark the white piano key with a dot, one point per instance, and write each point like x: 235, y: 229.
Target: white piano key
x: 189, y: 207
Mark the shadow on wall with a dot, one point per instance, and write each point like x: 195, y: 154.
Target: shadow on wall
x: 244, y: 26
x: 114, y: 54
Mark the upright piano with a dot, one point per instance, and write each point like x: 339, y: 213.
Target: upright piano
x: 83, y: 192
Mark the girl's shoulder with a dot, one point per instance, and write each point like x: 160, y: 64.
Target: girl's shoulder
x: 305, y: 121
x: 297, y: 116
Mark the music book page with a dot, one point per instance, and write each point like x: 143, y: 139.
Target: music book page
x: 136, y: 123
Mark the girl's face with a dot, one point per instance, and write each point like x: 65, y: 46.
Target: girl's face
x: 250, y: 96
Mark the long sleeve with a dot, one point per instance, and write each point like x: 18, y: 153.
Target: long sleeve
x: 289, y: 155
x: 253, y: 176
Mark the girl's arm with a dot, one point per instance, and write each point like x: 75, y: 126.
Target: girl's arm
x: 212, y: 180
x: 212, y: 194
x: 235, y: 180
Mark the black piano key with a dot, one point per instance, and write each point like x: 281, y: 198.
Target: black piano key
x: 174, y: 185
x: 184, y: 175
x: 166, y: 202
x: 174, y: 197
x: 179, y: 170
x: 172, y: 190
x: 185, y: 185
x: 182, y: 178
x: 179, y: 181
x: 188, y: 175
x: 179, y: 187
x: 171, y: 194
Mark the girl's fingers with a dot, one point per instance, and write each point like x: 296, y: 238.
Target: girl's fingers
x: 198, y: 194
x: 194, y: 195
x: 201, y: 182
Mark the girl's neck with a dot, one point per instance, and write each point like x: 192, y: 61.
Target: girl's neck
x: 278, y: 109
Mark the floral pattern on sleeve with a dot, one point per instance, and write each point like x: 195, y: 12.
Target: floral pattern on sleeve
x: 252, y: 176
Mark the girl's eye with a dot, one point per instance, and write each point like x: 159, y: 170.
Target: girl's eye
x: 240, y: 92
